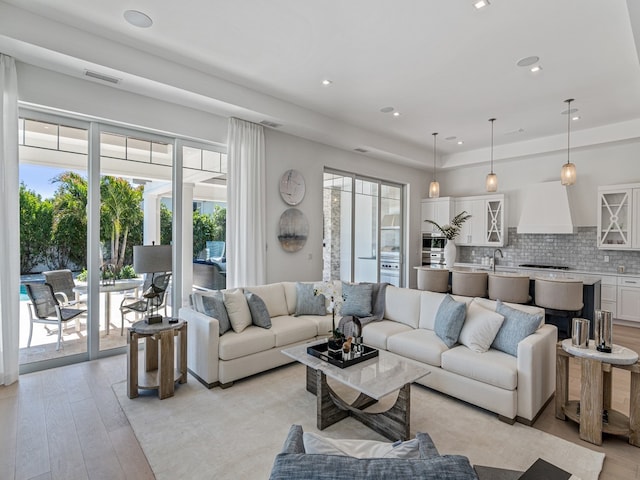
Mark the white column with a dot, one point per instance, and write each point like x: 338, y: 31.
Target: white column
x: 151, y: 231
x: 187, y: 241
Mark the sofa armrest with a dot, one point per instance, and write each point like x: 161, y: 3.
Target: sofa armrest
x: 294, y: 443
x: 536, y: 366
x: 203, y: 338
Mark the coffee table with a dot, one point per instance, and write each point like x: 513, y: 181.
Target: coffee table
x: 373, y: 379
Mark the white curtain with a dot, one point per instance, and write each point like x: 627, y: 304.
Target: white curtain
x: 9, y: 219
x: 246, y: 238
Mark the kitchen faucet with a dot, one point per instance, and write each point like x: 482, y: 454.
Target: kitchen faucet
x: 494, y: 258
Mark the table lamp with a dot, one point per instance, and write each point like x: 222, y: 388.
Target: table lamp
x: 151, y: 259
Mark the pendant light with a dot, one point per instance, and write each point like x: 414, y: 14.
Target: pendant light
x: 492, y: 178
x: 568, y: 173
x: 434, y: 186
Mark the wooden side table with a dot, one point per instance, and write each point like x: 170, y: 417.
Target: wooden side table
x: 160, y: 371
x: 594, y: 406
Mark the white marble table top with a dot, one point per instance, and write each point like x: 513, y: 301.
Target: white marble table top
x: 376, y: 377
x: 619, y: 355
x: 144, y: 328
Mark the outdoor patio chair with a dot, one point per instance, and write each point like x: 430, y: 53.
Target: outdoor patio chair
x: 144, y: 305
x: 45, y: 308
x: 63, y: 284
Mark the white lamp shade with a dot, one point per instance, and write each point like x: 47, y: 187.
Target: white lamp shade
x: 492, y: 182
x: 434, y: 189
x: 152, y: 258
x: 568, y: 174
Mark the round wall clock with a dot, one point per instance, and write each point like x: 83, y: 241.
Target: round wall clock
x: 292, y: 187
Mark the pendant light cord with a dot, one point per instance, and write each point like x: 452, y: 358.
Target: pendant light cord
x: 434, y: 155
x: 568, y: 127
x: 492, y: 120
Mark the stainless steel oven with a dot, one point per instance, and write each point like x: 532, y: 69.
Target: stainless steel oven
x: 432, y: 249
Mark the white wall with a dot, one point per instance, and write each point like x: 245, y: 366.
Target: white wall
x: 604, y: 164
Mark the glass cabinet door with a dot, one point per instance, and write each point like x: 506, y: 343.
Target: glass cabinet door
x: 495, y: 221
x: 614, y: 219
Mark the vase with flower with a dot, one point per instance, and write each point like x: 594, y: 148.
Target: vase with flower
x: 337, y: 338
x: 451, y: 231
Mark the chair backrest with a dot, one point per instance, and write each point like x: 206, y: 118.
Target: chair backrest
x: 433, y: 280
x: 509, y: 288
x: 61, y: 281
x: 559, y: 294
x: 469, y: 284
x: 216, y: 250
x: 161, y: 283
x: 42, y: 298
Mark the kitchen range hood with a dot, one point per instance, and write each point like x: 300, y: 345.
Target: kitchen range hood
x: 546, y: 209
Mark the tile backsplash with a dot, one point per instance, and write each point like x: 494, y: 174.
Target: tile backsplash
x: 577, y: 251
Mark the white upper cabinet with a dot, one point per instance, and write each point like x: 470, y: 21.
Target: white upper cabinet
x: 440, y: 210
x: 486, y: 227
x: 618, y: 217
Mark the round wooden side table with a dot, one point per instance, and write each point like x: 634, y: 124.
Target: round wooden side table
x: 160, y: 371
x: 593, y: 411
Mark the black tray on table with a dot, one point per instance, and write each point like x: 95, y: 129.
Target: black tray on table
x: 321, y: 351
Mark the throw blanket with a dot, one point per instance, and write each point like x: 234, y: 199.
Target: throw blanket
x: 347, y: 324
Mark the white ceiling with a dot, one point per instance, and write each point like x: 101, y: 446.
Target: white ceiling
x: 442, y: 64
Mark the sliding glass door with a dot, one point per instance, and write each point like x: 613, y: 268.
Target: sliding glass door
x: 363, y: 234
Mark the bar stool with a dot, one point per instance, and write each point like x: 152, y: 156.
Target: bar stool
x: 433, y: 279
x: 509, y: 288
x: 561, y: 298
x: 469, y: 284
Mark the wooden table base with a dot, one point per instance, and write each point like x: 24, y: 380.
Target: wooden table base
x: 392, y: 424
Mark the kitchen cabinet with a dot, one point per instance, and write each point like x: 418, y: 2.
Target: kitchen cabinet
x: 628, y: 304
x: 440, y: 210
x: 609, y: 294
x: 486, y: 227
x: 619, y: 217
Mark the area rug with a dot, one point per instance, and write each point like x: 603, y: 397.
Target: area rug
x: 237, y: 432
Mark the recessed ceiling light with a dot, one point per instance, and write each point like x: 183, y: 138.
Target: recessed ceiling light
x: 387, y: 109
x: 536, y: 69
x: 326, y: 82
x: 138, y: 19
x: 576, y: 118
x: 480, y: 4
x: 527, y: 61
x: 396, y: 114
x: 460, y: 142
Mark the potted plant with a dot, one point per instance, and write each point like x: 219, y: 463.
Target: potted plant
x: 451, y: 231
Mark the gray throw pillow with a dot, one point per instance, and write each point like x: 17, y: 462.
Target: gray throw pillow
x: 517, y: 326
x: 259, y: 313
x: 450, y: 320
x: 213, y: 306
x: 357, y: 299
x: 307, y: 303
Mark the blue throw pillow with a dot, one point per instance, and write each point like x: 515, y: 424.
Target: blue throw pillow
x: 307, y: 302
x: 449, y: 320
x: 357, y: 299
x: 213, y: 306
x: 517, y: 326
x: 259, y: 313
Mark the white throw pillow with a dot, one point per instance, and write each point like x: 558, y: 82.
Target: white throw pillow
x: 480, y: 328
x: 319, y: 445
x: 237, y: 309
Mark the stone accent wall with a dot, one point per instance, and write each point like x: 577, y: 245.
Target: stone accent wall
x: 577, y: 251
x: 331, y: 240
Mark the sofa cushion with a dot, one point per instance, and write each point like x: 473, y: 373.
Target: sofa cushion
x: 356, y: 299
x: 237, y: 309
x: 429, y: 304
x: 449, y: 320
x: 259, y: 313
x: 493, y: 367
x: 315, y: 444
x: 213, y: 306
x: 289, y: 330
x: 421, y: 345
x: 493, y: 305
x: 402, y: 305
x: 324, y: 323
x: 273, y: 296
x: 307, y: 302
x: 517, y: 326
x: 480, y: 328
x: 252, y: 340
x: 376, y: 334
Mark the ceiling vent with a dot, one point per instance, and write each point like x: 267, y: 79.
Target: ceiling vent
x: 267, y: 123
x: 360, y: 150
x: 102, y: 76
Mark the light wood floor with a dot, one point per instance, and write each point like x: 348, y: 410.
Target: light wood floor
x: 66, y: 423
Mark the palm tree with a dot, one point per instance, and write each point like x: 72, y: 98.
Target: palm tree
x: 69, y: 220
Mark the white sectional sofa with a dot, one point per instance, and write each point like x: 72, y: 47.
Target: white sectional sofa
x: 514, y: 387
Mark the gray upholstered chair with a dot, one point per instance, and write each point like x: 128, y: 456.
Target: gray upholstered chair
x: 509, y: 288
x: 560, y: 297
x: 469, y: 284
x: 44, y: 307
x: 160, y: 284
x: 63, y: 284
x: 433, y: 279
